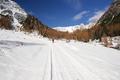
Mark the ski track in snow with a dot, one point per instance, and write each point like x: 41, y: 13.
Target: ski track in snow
x: 44, y: 60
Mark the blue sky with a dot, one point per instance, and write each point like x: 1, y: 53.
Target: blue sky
x: 65, y: 12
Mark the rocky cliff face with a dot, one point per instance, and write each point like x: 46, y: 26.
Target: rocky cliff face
x: 13, y: 10
x: 112, y: 15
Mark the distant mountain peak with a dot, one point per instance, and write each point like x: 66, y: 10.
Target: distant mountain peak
x: 74, y: 28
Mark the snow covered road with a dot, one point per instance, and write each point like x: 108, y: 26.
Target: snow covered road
x: 44, y: 60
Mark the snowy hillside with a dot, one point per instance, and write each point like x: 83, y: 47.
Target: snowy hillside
x: 11, y: 8
x: 28, y: 57
x: 73, y: 28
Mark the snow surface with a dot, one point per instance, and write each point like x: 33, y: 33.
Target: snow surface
x: 30, y: 57
x: 75, y: 27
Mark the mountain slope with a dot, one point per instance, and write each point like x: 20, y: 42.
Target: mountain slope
x: 108, y: 24
x: 13, y: 17
x: 18, y: 18
x: 13, y: 10
x: 112, y: 16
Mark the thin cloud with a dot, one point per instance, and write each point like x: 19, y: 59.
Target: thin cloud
x: 79, y: 15
x: 96, y: 16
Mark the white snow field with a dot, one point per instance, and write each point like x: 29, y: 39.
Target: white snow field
x: 25, y: 57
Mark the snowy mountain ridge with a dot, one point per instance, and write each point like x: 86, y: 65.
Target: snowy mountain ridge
x: 75, y: 27
x: 12, y: 9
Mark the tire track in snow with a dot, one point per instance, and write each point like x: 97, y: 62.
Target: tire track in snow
x: 45, y: 68
x: 51, y: 65
x: 81, y: 61
x: 62, y: 73
x: 85, y: 70
x: 54, y: 68
x: 71, y: 70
